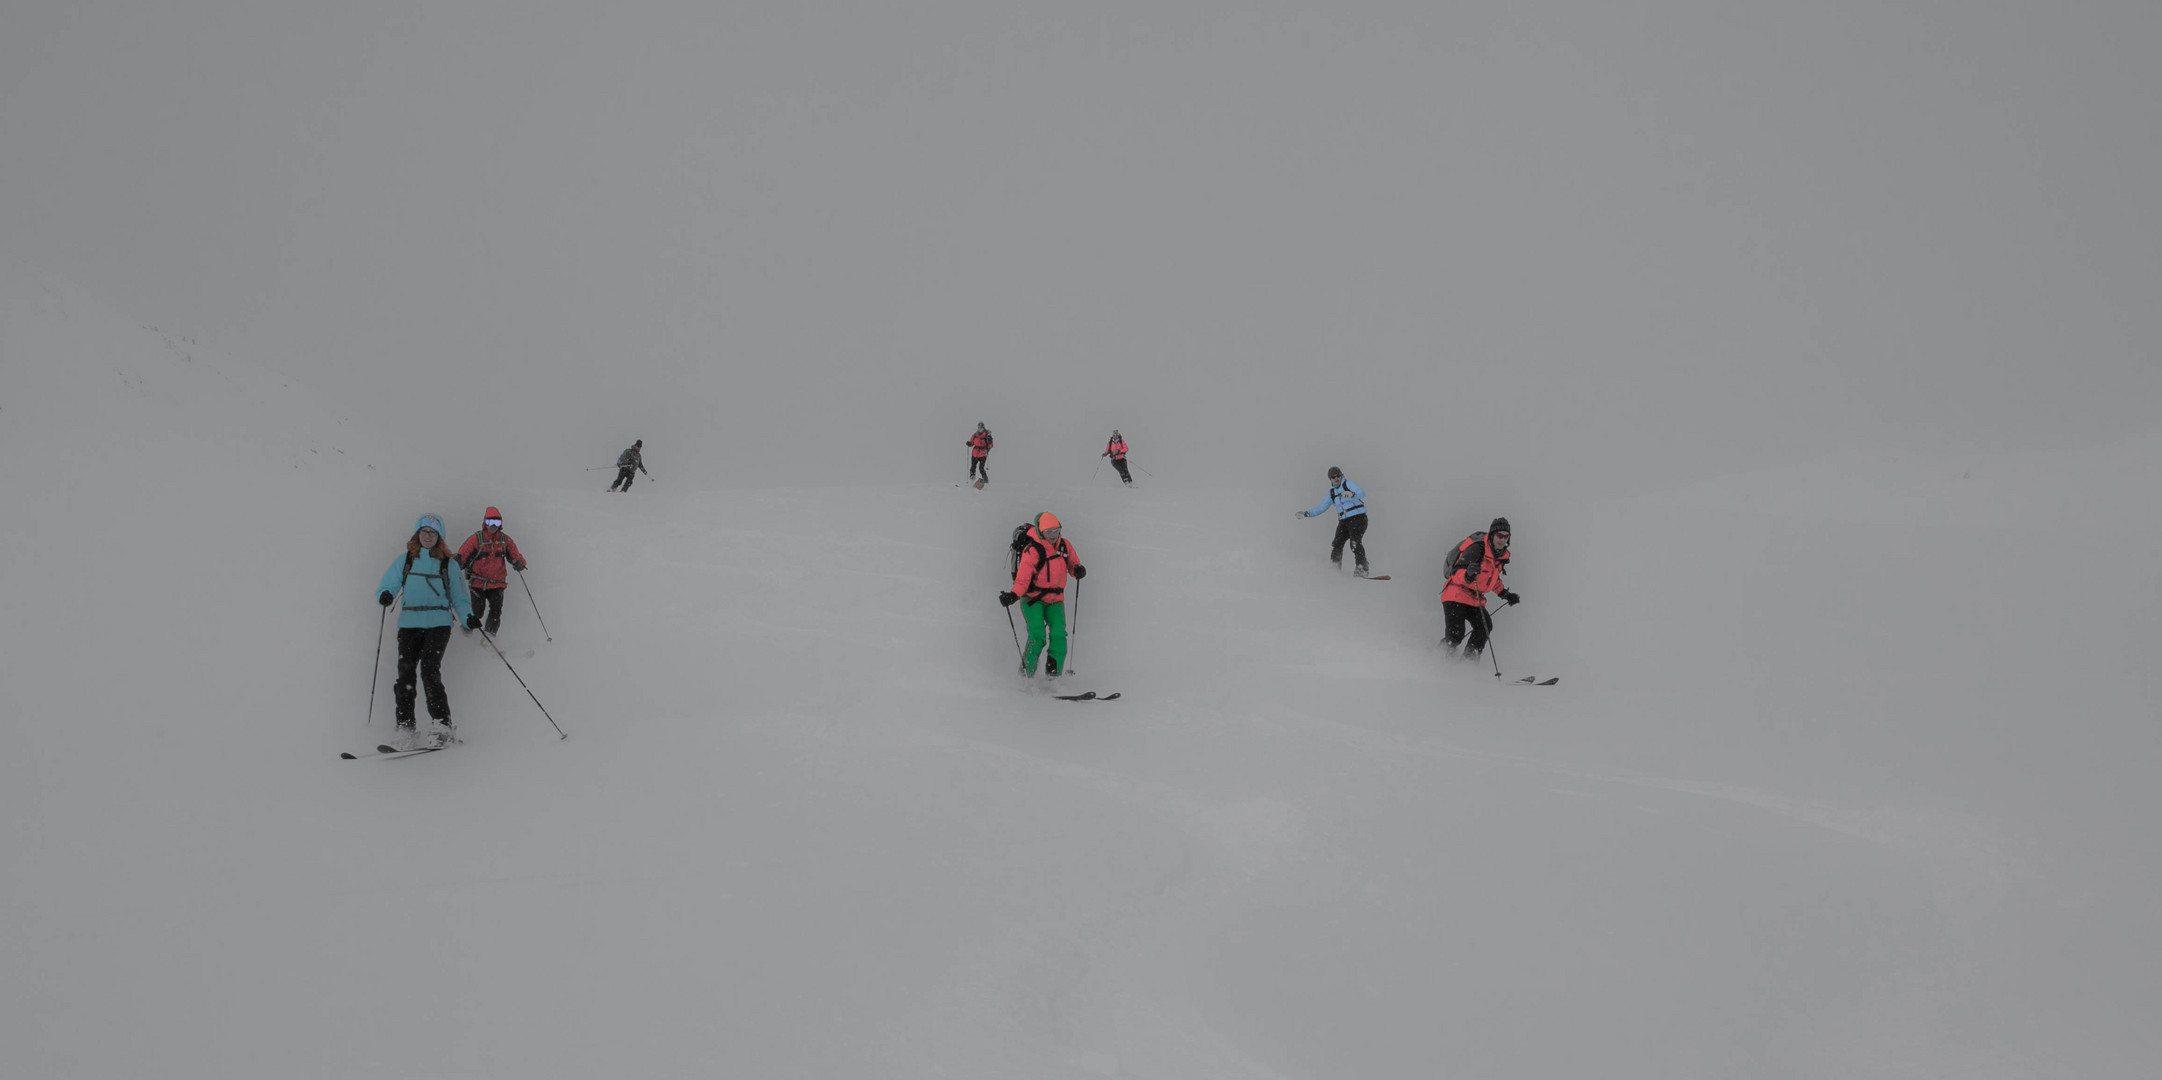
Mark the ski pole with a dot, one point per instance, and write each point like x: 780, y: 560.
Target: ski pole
x: 375, y: 673
x: 1018, y: 654
x: 1098, y: 469
x: 535, y: 603
x: 1073, y: 632
x: 1137, y: 465
x: 1491, y: 652
x: 521, y: 682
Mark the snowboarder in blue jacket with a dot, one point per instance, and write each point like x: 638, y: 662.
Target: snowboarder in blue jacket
x: 436, y: 598
x: 1350, y: 502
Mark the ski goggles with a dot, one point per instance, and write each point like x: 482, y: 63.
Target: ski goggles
x: 493, y: 523
x: 1052, y: 533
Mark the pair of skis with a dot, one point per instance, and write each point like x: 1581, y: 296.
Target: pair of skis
x: 1089, y: 696
x: 1533, y: 680
x: 388, y: 751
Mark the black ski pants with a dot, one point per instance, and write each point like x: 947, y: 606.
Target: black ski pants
x: 1458, y: 616
x: 422, y: 647
x: 1350, y: 530
x: 1119, y: 463
x: 624, y: 476
x: 488, y: 604
x: 979, y: 466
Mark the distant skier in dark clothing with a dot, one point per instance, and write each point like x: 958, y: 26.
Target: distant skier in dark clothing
x: 1116, y: 451
x: 1474, y: 569
x: 425, y: 573
x: 628, y: 465
x: 1350, y: 502
x: 484, y: 555
x: 979, y: 453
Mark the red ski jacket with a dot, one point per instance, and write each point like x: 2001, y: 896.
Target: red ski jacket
x: 1041, y: 574
x: 484, y: 554
x: 979, y: 444
x: 1481, y: 572
x: 1116, y: 449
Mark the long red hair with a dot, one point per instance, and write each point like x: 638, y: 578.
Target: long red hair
x: 441, y: 550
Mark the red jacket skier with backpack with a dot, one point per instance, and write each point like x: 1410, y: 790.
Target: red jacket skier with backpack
x: 484, y: 556
x: 1475, y: 567
x: 979, y: 453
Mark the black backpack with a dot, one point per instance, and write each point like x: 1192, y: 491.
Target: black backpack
x: 1019, y: 544
x: 1461, y: 557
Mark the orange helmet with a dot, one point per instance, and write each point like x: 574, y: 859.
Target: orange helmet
x: 1046, y: 521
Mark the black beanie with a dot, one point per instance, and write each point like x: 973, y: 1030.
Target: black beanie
x: 1499, y: 525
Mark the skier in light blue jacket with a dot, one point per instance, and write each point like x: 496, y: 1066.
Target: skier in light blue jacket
x: 436, y: 598
x: 1350, y: 502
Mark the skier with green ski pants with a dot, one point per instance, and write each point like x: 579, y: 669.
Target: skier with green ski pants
x: 1039, y: 582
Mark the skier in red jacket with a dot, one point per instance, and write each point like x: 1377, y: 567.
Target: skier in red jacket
x: 979, y: 453
x: 1116, y: 451
x: 1039, y: 584
x: 483, y: 555
x: 1475, y: 569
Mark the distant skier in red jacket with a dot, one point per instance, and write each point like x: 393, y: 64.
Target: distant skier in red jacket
x: 979, y: 453
x: 1475, y: 569
x: 483, y: 555
x: 1116, y: 451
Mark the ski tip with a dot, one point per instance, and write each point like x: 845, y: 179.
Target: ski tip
x: 1109, y: 697
x: 349, y: 757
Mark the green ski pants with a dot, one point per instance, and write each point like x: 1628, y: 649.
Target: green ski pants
x: 1042, y: 617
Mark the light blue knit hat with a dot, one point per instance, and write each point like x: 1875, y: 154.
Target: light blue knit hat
x: 430, y: 521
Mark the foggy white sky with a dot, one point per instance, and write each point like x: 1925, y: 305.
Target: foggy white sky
x: 1426, y: 241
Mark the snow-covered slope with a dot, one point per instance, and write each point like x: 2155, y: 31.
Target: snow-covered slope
x: 1848, y: 774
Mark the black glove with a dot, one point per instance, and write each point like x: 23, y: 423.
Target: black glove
x: 1080, y: 572
x: 518, y: 566
x: 472, y: 622
x: 1006, y: 599
x: 1510, y: 597
x: 385, y: 599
